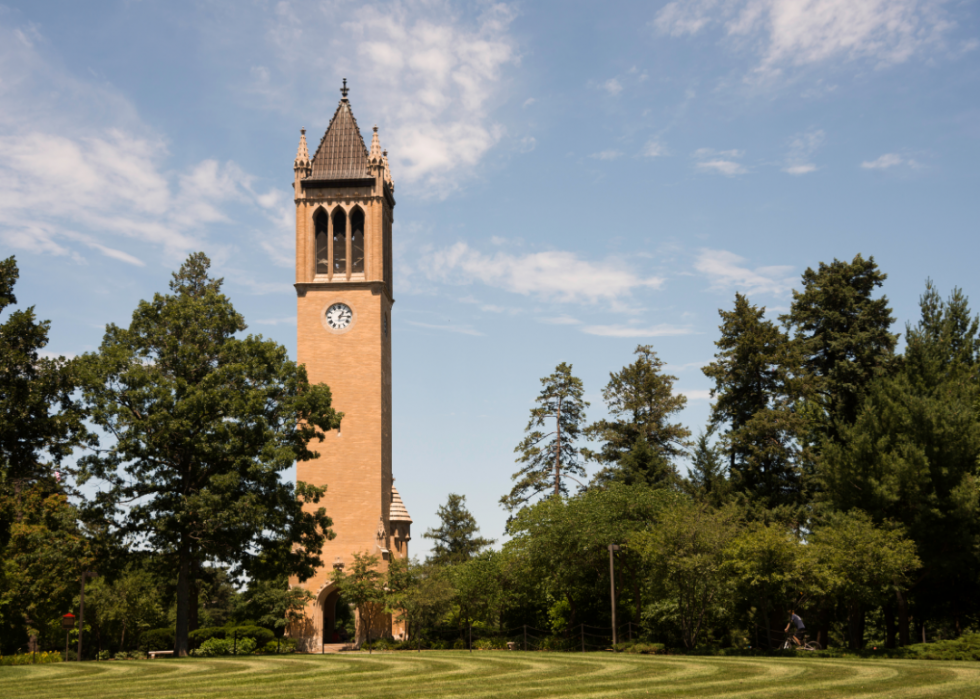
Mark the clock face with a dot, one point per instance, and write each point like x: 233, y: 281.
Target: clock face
x: 339, y: 316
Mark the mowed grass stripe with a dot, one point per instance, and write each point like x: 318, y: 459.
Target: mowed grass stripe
x: 498, y: 675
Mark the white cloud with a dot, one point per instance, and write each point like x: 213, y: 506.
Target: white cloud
x: 287, y: 320
x: 653, y: 149
x: 719, y: 161
x: 884, y: 162
x: 662, y: 330
x: 801, y: 148
x: 787, y: 33
x: 73, y: 172
x: 561, y: 320
x: 434, y: 76
x: 607, y: 155
x: 697, y: 393
x: 460, y: 329
x: 612, y: 86
x: 726, y: 270
x: 528, y: 102
x: 553, y: 274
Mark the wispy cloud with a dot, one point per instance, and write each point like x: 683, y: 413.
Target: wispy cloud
x: 460, y: 329
x: 888, y: 160
x: 788, y: 33
x: 726, y: 270
x: 653, y: 149
x: 721, y: 162
x: 696, y: 393
x: 662, y: 330
x: 607, y: 155
x: 612, y: 86
x: 801, y: 149
x: 430, y: 76
x: 555, y: 274
x: 561, y: 320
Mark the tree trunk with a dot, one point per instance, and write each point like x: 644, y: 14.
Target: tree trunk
x: 183, y: 600
x: 903, y: 618
x: 558, y: 451
x: 890, y: 628
x: 855, y: 624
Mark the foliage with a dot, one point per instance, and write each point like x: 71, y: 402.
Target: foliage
x: 686, y: 553
x: 455, y: 537
x: 260, y: 635
x: 707, y: 481
x: 202, y: 424
x: 419, y: 594
x: 546, y: 464
x: 157, y: 639
x: 43, y: 657
x: 274, y: 603
x: 129, y: 604
x: 280, y: 645
x: 362, y: 587
x: 225, y: 646
x: 640, y: 443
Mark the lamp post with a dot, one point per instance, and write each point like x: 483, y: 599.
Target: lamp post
x: 612, y: 587
x: 67, y: 623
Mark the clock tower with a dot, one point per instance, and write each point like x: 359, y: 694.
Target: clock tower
x: 344, y: 213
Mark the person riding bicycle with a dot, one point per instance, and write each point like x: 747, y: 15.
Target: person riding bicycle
x: 796, y: 621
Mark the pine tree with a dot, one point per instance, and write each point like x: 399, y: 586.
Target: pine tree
x: 706, y: 480
x: 755, y: 398
x: 843, y: 334
x: 549, y: 458
x: 640, y: 444
x: 455, y: 537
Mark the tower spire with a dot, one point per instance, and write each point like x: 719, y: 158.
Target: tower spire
x: 375, y: 144
x: 302, y: 153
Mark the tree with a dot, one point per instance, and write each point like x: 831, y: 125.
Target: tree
x: 547, y: 464
x: 686, y: 552
x: 865, y: 563
x: 202, y: 423
x: 41, y: 545
x: 456, y: 540
x: 843, y: 334
x: 363, y: 587
x: 912, y: 456
x: 707, y: 481
x: 420, y: 594
x: 274, y: 604
x: 640, y: 443
x: 128, y: 605
x: 756, y: 398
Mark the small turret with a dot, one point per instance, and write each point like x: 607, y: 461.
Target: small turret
x: 301, y: 166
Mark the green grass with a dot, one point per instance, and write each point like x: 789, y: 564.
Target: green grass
x: 496, y: 674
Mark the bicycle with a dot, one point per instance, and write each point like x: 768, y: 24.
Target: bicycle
x: 807, y: 644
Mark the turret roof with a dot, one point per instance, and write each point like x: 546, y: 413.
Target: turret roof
x: 398, y: 513
x: 342, y: 154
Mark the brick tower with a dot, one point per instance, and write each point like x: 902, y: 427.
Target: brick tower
x: 344, y: 206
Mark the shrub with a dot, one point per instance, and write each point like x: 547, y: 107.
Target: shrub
x: 225, y: 646
x: 437, y: 645
x: 460, y: 644
x: 491, y: 643
x: 158, y: 639
x: 104, y: 655
x: 198, y: 636
x: 259, y: 634
x: 43, y: 657
x: 285, y: 645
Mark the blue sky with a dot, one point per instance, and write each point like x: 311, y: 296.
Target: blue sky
x: 572, y: 178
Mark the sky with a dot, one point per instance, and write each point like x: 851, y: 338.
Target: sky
x: 572, y: 179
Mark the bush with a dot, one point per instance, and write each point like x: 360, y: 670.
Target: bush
x: 262, y: 636
x: 225, y: 646
x: 198, y: 636
x: 285, y: 645
x: 44, y: 657
x: 460, y: 644
x: 492, y: 643
x: 436, y: 645
x: 104, y: 655
x: 158, y: 639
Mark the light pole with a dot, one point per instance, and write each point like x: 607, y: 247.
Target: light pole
x: 612, y: 587
x: 67, y: 623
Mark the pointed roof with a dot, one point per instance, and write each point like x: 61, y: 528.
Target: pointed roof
x: 302, y: 154
x: 398, y: 513
x: 341, y: 154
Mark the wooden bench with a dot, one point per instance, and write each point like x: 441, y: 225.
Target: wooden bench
x: 154, y: 653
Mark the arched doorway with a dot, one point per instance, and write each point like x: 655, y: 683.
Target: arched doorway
x: 336, y: 617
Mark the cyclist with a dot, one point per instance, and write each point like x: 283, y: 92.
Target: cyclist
x: 796, y: 621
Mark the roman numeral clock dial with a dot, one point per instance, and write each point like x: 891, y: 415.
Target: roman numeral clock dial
x: 339, y: 316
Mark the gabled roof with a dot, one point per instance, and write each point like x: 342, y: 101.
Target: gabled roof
x: 398, y: 512
x: 341, y: 154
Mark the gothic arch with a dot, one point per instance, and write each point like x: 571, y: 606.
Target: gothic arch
x: 340, y: 245
x: 358, y: 223
x: 321, y: 242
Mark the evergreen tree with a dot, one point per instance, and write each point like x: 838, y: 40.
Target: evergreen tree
x: 455, y: 537
x: 706, y: 480
x: 549, y: 458
x: 843, y: 334
x: 754, y: 397
x: 912, y: 456
x: 202, y: 425
x: 640, y: 443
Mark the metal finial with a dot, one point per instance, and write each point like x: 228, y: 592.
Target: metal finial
x: 375, y: 128
x: 303, y: 130
x: 344, y: 90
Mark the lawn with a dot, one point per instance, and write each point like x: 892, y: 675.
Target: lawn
x: 491, y: 674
